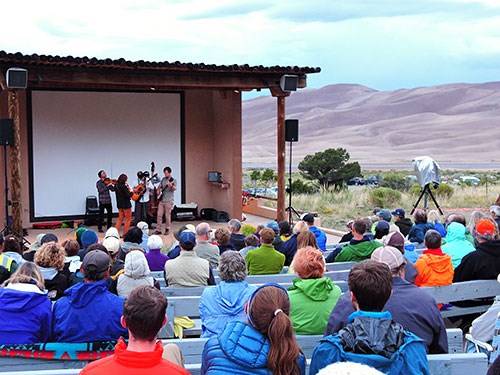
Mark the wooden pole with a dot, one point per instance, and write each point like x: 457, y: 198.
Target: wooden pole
x: 281, y: 158
x: 15, y: 164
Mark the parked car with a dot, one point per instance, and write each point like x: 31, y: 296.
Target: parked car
x: 372, y: 180
x: 470, y: 180
x: 356, y: 181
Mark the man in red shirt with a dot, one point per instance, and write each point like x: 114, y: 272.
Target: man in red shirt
x: 143, y: 316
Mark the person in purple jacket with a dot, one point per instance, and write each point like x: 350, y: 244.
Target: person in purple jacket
x: 25, y: 307
x: 156, y: 260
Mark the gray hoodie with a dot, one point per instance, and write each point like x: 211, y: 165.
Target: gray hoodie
x: 136, y: 273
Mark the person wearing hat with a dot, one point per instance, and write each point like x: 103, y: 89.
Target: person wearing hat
x: 265, y: 260
x: 112, y: 245
x: 484, y: 263
x: 141, y: 204
x: 144, y: 227
x: 88, y: 311
x: 277, y: 240
x: 29, y: 254
x: 175, y: 249
x: 372, y: 336
x: 204, y: 249
x: 360, y: 247
x: 89, y: 237
x: 404, y: 223
x: 320, y: 235
x: 409, y: 305
x: 187, y: 269
x: 156, y: 259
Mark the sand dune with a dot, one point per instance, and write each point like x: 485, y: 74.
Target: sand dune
x: 454, y: 124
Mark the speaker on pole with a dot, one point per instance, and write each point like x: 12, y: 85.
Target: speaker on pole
x: 292, y: 130
x: 6, y: 132
x: 17, y: 78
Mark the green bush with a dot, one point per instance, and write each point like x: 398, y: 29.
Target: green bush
x: 248, y: 229
x: 444, y: 190
x: 384, y: 197
x: 395, y: 181
x: 299, y: 187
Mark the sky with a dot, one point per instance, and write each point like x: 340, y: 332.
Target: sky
x: 382, y: 44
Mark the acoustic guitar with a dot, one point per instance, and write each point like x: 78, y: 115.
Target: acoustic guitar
x: 138, y: 192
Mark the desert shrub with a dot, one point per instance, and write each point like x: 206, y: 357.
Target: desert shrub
x: 248, y: 229
x: 384, y: 197
x: 301, y: 187
x: 444, y: 190
x: 395, y: 181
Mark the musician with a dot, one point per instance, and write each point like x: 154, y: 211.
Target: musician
x: 166, y: 189
x: 123, y: 195
x: 141, y: 205
x: 104, y: 199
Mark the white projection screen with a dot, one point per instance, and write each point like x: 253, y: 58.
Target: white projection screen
x: 74, y: 134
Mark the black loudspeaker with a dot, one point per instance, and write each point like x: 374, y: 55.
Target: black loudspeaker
x: 292, y: 130
x: 17, y: 78
x: 6, y: 132
x: 289, y: 83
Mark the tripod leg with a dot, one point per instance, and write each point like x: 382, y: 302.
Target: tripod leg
x: 435, y: 202
x: 418, y: 201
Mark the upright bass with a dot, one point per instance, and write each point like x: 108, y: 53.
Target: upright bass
x: 153, y: 199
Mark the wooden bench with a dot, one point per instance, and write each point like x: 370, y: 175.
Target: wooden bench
x: 462, y: 291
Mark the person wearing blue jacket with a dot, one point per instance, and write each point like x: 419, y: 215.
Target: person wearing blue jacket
x: 25, y: 308
x: 265, y: 344
x: 226, y: 301
x: 371, y: 337
x: 421, y: 226
x: 88, y: 311
x: 318, y: 233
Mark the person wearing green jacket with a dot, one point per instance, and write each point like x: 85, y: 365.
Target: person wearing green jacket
x: 360, y: 247
x: 265, y: 260
x: 312, y: 296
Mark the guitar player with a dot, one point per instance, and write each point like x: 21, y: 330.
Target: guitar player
x: 144, y: 187
x: 166, y: 189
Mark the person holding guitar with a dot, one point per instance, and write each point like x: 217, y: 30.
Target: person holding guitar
x: 104, y: 185
x: 123, y: 195
x: 165, y: 191
x: 141, y: 196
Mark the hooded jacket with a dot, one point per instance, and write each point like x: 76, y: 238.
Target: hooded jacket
x: 311, y: 302
x: 222, y: 304
x: 156, y: 259
x: 136, y: 273
x: 88, y: 312
x: 418, y: 231
x: 55, y: 282
x: 404, y: 225
x: 320, y: 237
x: 240, y: 350
x: 456, y: 246
x: 27, y: 315
x: 434, y: 269
x: 374, y: 339
x: 357, y: 251
x: 289, y: 248
x: 482, y: 264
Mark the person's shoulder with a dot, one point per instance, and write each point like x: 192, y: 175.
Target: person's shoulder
x: 101, y: 366
x: 171, y: 368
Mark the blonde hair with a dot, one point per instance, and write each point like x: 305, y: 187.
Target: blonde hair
x: 51, y: 254
x: 27, y: 273
x: 474, y: 218
x: 300, y: 226
x: 433, y: 216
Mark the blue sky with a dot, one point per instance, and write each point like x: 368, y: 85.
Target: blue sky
x: 383, y: 44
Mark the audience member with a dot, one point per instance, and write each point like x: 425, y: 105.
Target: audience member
x: 277, y: 238
x: 136, y: 273
x: 409, y: 305
x: 459, y: 218
x: 112, y: 232
x: 25, y: 308
x: 475, y: 216
x: 72, y: 261
x: 285, y: 230
x: 320, y: 235
x: 156, y: 259
x: 225, y: 302
x: 222, y: 237
x: 204, y: 249
x: 348, y: 236
x: 381, y: 230
x: 187, y: 269
x: 144, y: 227
x: 360, y: 247
x: 29, y: 253
x: 484, y: 263
x: 265, y: 260
x: 251, y: 242
x: 372, y: 336
x: 396, y: 240
x: 421, y: 226
x: 266, y: 344
x: 143, y: 316
x: 175, y: 249
x: 78, y: 235
x: 456, y: 244
x: 434, y: 218
x: 112, y: 245
x: 88, y: 311
x: 433, y: 266
x: 495, y: 213
x: 384, y: 214
x: 50, y: 262
x: 289, y: 248
x: 89, y: 237
x: 312, y: 296
x: 404, y: 223
x: 12, y: 248
x: 131, y: 239
x: 236, y: 238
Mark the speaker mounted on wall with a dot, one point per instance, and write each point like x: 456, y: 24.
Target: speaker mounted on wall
x: 17, y: 78
x: 289, y: 82
x: 6, y: 132
x: 292, y: 130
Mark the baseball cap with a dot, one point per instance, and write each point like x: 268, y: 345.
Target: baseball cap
x: 399, y: 212
x: 95, y: 261
x: 112, y: 232
x: 388, y: 255
x: 385, y: 214
x: 273, y: 225
x: 395, y: 239
x: 112, y: 244
x: 187, y: 239
x: 382, y: 225
x: 142, y: 225
x: 308, y: 218
x: 485, y: 227
x: 49, y: 237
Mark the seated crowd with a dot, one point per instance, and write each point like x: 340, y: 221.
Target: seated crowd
x: 85, y: 290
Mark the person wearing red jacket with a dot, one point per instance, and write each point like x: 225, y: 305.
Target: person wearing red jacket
x: 143, y: 316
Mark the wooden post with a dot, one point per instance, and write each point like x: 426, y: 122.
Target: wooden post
x: 281, y: 158
x: 15, y: 165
